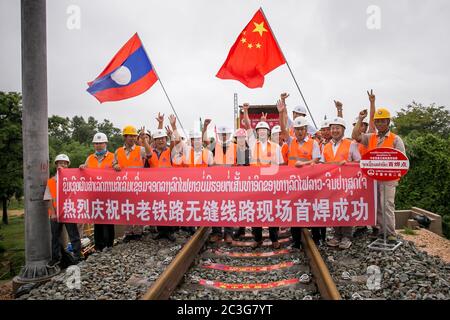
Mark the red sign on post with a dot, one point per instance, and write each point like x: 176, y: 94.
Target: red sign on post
x: 384, y: 164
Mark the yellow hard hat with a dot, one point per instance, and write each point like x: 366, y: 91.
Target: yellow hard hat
x: 129, y: 130
x: 382, y: 113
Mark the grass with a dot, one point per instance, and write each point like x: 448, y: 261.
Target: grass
x: 15, y: 204
x: 408, y: 231
x: 12, y: 247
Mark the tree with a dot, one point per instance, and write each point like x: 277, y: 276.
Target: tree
x: 83, y: 131
x: 426, y: 133
x: 11, y: 161
x: 423, y: 120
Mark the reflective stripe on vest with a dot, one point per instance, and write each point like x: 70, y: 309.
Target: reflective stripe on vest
x: 229, y: 158
x: 387, y: 143
x: 106, y: 163
x: 203, y: 159
x: 297, y: 153
x: 163, y: 161
x: 342, y: 151
x: 134, y: 159
x: 260, y: 158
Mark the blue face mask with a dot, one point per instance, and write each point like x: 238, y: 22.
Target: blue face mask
x: 100, y: 153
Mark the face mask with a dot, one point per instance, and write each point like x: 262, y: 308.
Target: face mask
x: 100, y: 153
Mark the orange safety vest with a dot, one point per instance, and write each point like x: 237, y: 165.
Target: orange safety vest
x: 178, y: 162
x: 342, y: 151
x: 203, y: 160
x: 164, y: 160
x: 297, y: 153
x: 106, y: 163
x: 387, y: 143
x: 260, y: 158
x: 285, y: 152
x: 229, y: 158
x: 134, y: 159
x: 51, y: 183
x: 362, y: 149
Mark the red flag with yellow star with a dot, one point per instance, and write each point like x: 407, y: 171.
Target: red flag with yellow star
x: 254, y: 54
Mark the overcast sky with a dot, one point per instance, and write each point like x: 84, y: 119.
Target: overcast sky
x: 331, y: 51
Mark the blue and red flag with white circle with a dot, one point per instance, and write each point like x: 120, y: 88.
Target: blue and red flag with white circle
x: 127, y: 75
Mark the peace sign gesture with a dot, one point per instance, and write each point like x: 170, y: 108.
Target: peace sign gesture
x: 263, y: 116
x: 371, y: 96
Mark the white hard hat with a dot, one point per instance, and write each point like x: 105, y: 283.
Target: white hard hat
x: 194, y: 134
x: 324, y: 124
x: 160, y: 133
x: 300, y: 122
x: 262, y: 125
x: 276, y: 129
x: 62, y: 157
x: 300, y: 109
x: 356, y: 120
x: 338, y: 120
x: 100, y: 138
x: 224, y: 130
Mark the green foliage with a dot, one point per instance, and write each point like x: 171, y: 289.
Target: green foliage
x: 422, y: 120
x: 427, y: 184
x: 74, y: 138
x: 408, y: 231
x: 11, y: 172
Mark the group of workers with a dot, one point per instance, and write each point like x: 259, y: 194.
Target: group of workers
x: 291, y: 143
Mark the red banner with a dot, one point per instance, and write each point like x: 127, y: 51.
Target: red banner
x: 319, y: 195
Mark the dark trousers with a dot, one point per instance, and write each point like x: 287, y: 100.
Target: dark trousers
x: 319, y: 233
x: 103, y: 236
x: 166, y: 229
x: 226, y: 230
x: 273, y: 233
x: 296, y: 233
x: 74, y: 237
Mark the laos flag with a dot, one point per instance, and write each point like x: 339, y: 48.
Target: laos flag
x: 127, y: 75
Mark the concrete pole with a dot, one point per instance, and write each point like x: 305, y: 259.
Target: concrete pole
x: 35, y: 142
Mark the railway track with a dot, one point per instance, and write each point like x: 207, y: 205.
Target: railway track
x: 222, y: 271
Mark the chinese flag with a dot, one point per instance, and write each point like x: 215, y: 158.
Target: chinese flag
x: 254, y: 54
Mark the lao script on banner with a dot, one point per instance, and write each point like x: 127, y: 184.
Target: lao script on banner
x: 319, y: 195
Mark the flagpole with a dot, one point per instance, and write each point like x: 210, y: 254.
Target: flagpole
x: 287, y: 64
x: 167, y: 96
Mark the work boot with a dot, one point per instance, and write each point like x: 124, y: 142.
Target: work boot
x: 345, y: 243
x: 214, y: 238
x: 228, y: 238
x: 171, y: 237
x: 257, y: 244
x: 333, y: 242
x: 127, y: 238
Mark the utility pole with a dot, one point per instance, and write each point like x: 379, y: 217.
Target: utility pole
x: 35, y: 143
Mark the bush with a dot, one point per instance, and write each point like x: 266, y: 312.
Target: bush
x: 427, y: 184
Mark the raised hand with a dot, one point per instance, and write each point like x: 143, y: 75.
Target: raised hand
x: 284, y: 96
x: 263, y: 116
x: 245, y: 106
x: 160, y: 118
x: 338, y: 104
x: 371, y: 96
x: 281, y: 106
x: 363, y: 114
x: 206, y: 123
x: 173, y: 120
x: 169, y: 131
